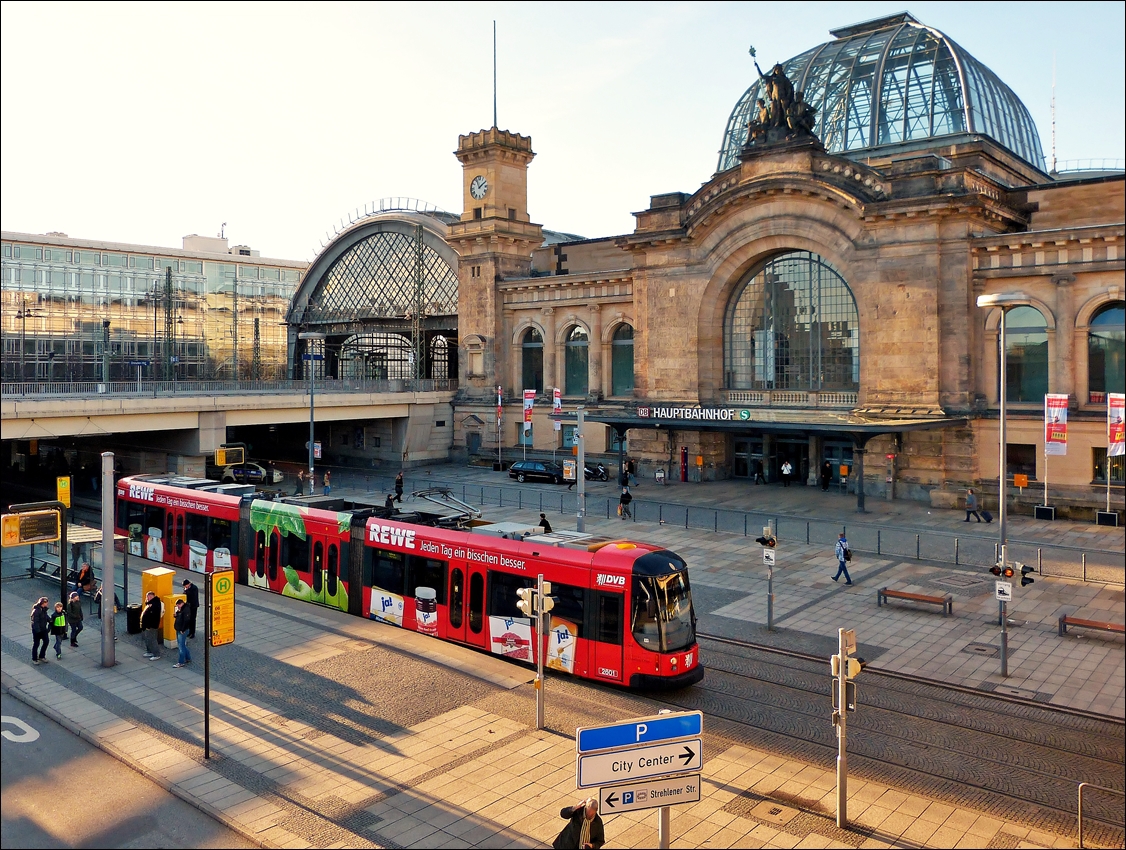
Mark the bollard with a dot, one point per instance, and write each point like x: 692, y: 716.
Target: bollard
x: 878, y: 542
x: 715, y: 524
x: 996, y: 552
x: 1084, y: 566
x: 917, y: 550
x: 1040, y: 561
x: 744, y: 525
x: 955, y: 551
x: 807, y: 533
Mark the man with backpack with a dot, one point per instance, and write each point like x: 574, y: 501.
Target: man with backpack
x: 843, y: 554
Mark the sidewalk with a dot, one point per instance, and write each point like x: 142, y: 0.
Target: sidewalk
x: 461, y: 775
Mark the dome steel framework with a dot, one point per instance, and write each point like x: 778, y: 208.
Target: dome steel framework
x: 892, y: 81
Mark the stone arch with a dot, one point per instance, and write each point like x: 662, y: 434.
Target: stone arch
x: 617, y: 321
x: 1092, y: 305
x: 993, y: 316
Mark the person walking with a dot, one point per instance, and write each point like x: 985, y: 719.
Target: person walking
x: 300, y: 484
x: 183, y: 624
x: 58, y: 628
x: 40, y: 630
x: 76, y: 554
x: 150, y: 625
x: 327, y: 481
x: 759, y: 479
x: 544, y: 524
x: 971, y: 506
x: 74, y: 616
x: 787, y: 471
x: 826, y: 475
x: 584, y: 830
x: 399, y: 487
x: 843, y: 554
x: 631, y: 472
x: 623, y: 503
x: 192, y: 594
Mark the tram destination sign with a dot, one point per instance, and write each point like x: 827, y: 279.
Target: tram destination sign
x: 31, y: 527
x: 616, y: 766
x: 640, y: 731
x: 652, y: 794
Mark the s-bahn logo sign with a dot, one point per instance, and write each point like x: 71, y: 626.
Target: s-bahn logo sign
x: 696, y: 414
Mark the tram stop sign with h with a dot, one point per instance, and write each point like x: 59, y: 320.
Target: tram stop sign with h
x: 221, y: 628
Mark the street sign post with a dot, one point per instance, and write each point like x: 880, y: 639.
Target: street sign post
x: 640, y: 763
x: 642, y: 730
x: 649, y: 795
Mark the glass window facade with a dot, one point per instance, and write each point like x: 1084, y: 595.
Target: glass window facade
x: 1026, y: 362
x: 576, y: 359
x: 621, y: 361
x: 1106, y: 352
x: 531, y: 361
x: 896, y: 81
x: 56, y: 300
x: 792, y: 325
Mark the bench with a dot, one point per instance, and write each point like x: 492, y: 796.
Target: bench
x: 1076, y: 623
x: 947, y: 602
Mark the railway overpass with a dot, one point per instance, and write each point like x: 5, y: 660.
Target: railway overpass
x: 172, y: 426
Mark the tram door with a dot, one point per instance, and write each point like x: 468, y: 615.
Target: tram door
x: 606, y: 655
x: 325, y: 570
x: 476, y: 632
x: 455, y: 623
x: 173, y: 542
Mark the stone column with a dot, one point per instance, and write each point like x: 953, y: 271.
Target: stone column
x: 813, y: 477
x: 1062, y: 366
x: 594, y: 353
x: 548, y: 314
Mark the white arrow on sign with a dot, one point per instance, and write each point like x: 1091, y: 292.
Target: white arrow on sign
x: 649, y: 795
x: 640, y: 763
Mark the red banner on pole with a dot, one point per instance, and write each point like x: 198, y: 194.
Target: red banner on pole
x: 1115, y: 429
x: 1055, y: 424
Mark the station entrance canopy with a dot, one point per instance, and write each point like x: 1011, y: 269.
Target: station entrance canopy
x: 732, y: 419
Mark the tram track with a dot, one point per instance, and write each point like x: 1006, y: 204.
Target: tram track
x: 1031, y: 755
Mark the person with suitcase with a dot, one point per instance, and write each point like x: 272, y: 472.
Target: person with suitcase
x: 971, y: 506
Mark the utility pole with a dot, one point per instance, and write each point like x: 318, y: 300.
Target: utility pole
x: 537, y: 603
x: 580, y: 472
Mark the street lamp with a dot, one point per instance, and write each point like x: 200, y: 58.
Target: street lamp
x: 310, y: 337
x: 1004, y: 301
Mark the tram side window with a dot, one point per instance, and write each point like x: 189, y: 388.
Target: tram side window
x: 153, y: 518
x: 295, y: 553
x: 427, y: 572
x: 130, y: 513
x: 643, y: 620
x: 388, y: 570
x: 569, y: 605
x: 196, y: 528
x: 610, y: 618
x: 502, y: 594
x: 220, y: 534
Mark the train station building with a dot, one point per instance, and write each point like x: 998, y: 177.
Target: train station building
x: 814, y: 302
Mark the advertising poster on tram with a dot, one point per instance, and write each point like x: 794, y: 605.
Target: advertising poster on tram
x: 511, y: 637
x: 561, y: 645
x: 386, y: 607
x: 1055, y: 424
x: 1115, y: 427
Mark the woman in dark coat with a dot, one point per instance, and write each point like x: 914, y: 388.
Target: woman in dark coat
x: 40, y: 629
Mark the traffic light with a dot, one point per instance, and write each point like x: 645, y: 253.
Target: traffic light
x: 855, y: 666
x: 996, y: 570
x: 526, y: 603
x: 1025, y: 578
x: 768, y: 538
x: 1008, y: 572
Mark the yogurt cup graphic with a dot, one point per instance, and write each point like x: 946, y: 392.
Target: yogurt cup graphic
x: 197, y: 558
x: 426, y: 610
x: 221, y: 557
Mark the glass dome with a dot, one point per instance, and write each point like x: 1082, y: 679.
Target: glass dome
x: 892, y: 81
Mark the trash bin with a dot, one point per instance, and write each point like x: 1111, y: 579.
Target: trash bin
x: 133, y: 619
x: 497, y: 467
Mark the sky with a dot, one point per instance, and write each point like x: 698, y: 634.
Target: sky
x: 145, y: 122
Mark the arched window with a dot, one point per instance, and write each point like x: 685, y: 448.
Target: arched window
x: 792, y: 325
x: 576, y: 358
x: 1106, y: 352
x: 1026, y: 362
x: 376, y: 356
x: 531, y: 351
x: 439, y: 358
x: 621, y: 361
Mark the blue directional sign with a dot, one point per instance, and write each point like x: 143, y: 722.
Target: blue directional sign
x: 643, y: 730
x: 312, y: 357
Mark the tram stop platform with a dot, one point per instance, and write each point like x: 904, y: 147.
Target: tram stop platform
x: 332, y: 731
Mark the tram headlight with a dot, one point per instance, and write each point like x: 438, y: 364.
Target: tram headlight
x: 672, y: 663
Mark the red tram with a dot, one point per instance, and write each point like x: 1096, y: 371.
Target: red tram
x: 623, y: 609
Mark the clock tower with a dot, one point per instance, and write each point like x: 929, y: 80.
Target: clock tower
x: 494, y: 241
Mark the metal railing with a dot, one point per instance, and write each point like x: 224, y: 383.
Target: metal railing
x: 1083, y: 785
x: 86, y: 389
x: 790, y: 398
x: 1058, y: 560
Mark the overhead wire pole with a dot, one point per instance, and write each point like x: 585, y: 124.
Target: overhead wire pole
x: 169, y: 327
x: 416, y: 313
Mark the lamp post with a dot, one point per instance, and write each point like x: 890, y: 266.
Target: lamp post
x: 310, y: 337
x: 1004, y: 301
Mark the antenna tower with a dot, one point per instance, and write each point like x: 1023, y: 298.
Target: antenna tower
x: 494, y: 73
x: 1052, y: 170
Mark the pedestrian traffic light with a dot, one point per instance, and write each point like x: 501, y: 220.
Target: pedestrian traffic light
x: 526, y: 603
x: 1025, y: 578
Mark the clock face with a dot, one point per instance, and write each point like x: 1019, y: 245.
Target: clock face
x: 479, y: 187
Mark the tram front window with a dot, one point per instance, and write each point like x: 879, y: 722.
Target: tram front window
x: 662, y: 612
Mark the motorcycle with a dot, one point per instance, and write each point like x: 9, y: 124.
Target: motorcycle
x: 596, y: 473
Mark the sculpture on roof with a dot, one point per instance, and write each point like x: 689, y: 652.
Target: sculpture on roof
x: 783, y: 114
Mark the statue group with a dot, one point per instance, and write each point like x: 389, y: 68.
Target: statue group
x: 782, y: 114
